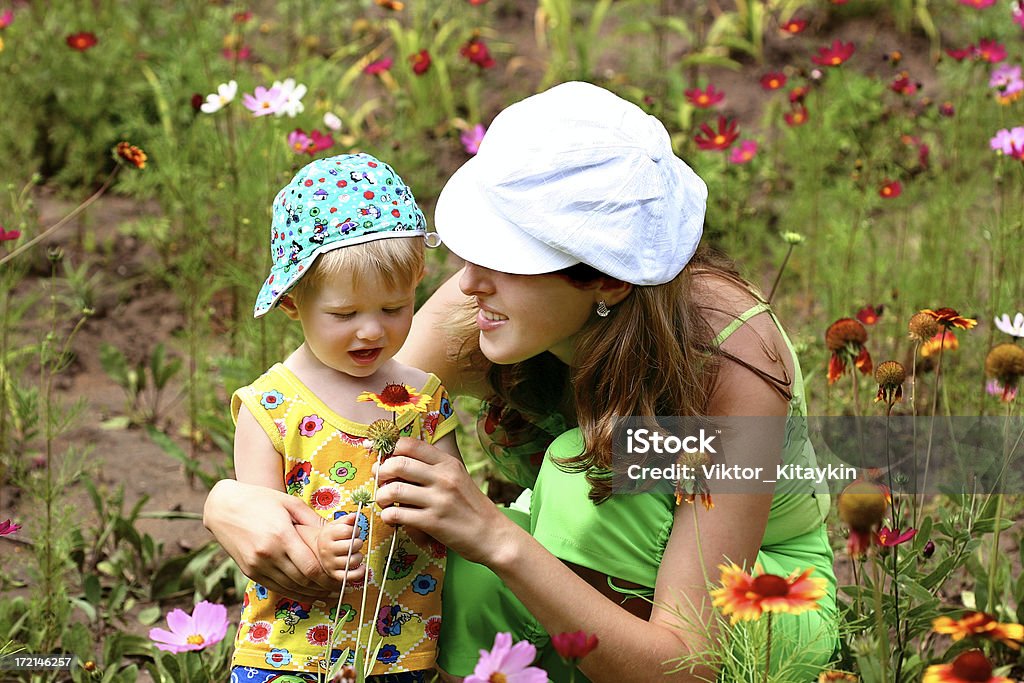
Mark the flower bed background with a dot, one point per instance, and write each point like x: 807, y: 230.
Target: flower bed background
x: 865, y: 160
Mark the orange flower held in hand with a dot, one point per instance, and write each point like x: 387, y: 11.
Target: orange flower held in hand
x: 398, y: 398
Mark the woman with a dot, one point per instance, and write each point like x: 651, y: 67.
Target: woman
x: 576, y: 221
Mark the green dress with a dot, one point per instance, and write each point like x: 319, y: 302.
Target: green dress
x: 625, y: 538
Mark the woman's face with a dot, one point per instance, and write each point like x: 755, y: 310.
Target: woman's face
x: 522, y: 316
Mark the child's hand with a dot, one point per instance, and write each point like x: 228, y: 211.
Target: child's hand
x: 338, y: 546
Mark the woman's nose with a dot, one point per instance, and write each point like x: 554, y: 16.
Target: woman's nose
x: 476, y: 280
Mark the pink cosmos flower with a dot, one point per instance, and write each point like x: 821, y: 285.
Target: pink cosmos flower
x: 962, y: 54
x: 263, y: 101
x: 6, y: 235
x: 507, y: 662
x: 994, y: 388
x: 7, y: 527
x: 1009, y: 142
x: 978, y: 4
x: 990, y: 51
x: 206, y: 626
x: 301, y: 143
x: 242, y: 54
x: 6, y: 18
x: 378, y: 66
x: 743, y: 152
x: 1018, y: 13
x: 472, y: 138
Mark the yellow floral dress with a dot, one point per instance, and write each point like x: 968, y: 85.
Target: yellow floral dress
x: 326, y: 458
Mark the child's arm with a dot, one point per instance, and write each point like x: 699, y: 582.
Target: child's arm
x: 256, y: 460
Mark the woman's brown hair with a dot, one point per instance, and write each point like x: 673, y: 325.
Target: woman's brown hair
x: 654, y: 355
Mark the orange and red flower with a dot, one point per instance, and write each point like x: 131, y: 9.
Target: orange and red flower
x: 794, y: 26
x: 399, y: 398
x: 132, y: 154
x: 862, y: 506
x: 797, y: 116
x: 703, y: 99
x: 888, y: 538
x: 980, y: 624
x: 969, y: 667
x: 949, y: 318
x: 476, y: 51
x: 420, y: 62
x: 773, y: 80
x: 835, y: 55
x: 711, y: 139
x: 747, y: 597
x: 82, y: 41
x: 845, y: 338
x: 890, y: 189
x: 869, y: 315
x: 945, y: 340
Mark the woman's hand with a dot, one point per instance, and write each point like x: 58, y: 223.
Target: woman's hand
x: 259, y: 529
x: 437, y: 496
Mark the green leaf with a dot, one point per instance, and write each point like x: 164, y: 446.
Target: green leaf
x: 150, y: 615
x: 92, y: 588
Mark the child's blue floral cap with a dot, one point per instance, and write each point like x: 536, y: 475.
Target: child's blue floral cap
x: 332, y: 203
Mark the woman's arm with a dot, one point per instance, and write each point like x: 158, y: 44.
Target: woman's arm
x: 440, y: 499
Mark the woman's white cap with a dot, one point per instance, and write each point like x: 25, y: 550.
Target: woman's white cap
x: 575, y: 174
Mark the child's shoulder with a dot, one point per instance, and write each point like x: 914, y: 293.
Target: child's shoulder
x: 406, y: 374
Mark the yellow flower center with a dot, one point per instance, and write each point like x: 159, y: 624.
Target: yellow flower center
x: 719, y: 139
x: 836, y: 61
x: 498, y: 677
x: 195, y: 639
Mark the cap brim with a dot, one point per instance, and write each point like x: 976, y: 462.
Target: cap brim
x: 471, y: 227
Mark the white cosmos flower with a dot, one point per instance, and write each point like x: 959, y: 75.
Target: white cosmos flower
x: 332, y: 121
x: 1014, y: 329
x: 291, y: 95
x: 218, y: 100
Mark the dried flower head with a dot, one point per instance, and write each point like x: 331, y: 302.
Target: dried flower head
x: 384, y: 435
x: 845, y: 338
x: 1005, y: 363
x: 362, y: 496
x: 923, y: 327
x: 862, y: 506
x: 890, y: 376
x: 843, y: 332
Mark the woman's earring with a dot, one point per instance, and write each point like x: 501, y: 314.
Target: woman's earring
x: 602, y: 309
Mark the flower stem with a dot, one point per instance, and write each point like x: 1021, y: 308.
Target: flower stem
x: 778, y: 276
x: 380, y: 597
x: 337, y: 610
x: 768, y: 651
x: 883, y: 630
x: 931, y: 424
x: 993, y: 566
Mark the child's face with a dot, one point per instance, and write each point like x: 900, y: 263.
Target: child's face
x: 355, y: 329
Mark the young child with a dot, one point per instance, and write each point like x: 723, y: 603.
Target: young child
x: 347, y: 246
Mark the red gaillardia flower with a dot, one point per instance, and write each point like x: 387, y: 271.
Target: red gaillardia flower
x: 946, y: 340
x: 476, y: 51
x: 869, y: 315
x: 980, y: 624
x: 773, y: 80
x: 845, y: 338
x: 949, y: 318
x: 747, y: 597
x: 968, y: 667
x: 574, y: 646
x: 797, y: 116
x: 794, y: 26
x: 399, y: 398
x: 710, y: 139
x: 132, y: 154
x: 888, y: 538
x: 835, y: 55
x: 702, y: 99
x: 420, y: 62
x: 82, y: 41
x: 890, y: 189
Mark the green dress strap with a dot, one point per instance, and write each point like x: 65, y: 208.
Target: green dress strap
x: 740, y: 320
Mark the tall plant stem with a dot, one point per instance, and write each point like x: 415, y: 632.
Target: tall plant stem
x: 993, y: 565
x: 778, y: 276
x: 883, y: 631
x: 913, y: 413
x: 895, y: 548
x: 931, y: 424
x: 768, y: 651
x: 63, y: 221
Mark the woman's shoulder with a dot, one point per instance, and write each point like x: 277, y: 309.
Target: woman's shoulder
x: 756, y: 363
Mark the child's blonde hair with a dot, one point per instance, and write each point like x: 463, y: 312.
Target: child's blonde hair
x: 394, y: 261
